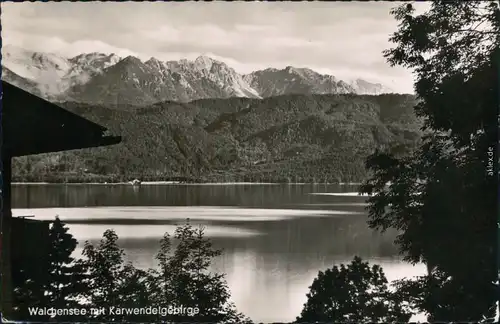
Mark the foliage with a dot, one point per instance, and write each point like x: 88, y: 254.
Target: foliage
x: 102, y: 280
x: 65, y: 274
x: 354, y: 293
x: 184, y: 278
x: 300, y: 138
x: 55, y: 282
x: 442, y: 196
x: 104, y: 265
x: 438, y: 295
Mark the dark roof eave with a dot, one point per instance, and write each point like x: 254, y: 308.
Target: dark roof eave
x: 32, y: 125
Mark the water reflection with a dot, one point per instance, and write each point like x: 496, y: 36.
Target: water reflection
x: 275, y: 237
x: 39, y: 196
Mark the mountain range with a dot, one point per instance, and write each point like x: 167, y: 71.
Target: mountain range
x: 108, y: 79
x: 200, y: 120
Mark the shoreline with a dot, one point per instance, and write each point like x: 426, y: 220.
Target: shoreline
x: 153, y: 183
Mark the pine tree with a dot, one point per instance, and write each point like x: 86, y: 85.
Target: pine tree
x: 65, y: 276
x: 60, y: 286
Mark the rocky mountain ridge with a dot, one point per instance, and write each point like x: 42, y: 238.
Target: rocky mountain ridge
x: 98, y: 78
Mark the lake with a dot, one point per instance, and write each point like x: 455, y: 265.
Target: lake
x: 275, y: 237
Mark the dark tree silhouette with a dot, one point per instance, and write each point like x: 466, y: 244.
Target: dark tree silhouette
x: 443, y: 195
x: 184, y: 279
x: 60, y: 284
x: 356, y: 293
x: 65, y: 276
x: 104, y: 285
x: 105, y: 267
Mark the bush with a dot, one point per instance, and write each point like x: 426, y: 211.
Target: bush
x: 352, y: 294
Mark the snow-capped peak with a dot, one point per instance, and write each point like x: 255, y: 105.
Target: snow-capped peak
x: 132, y: 59
x: 154, y: 63
x: 89, y: 57
x: 17, y: 53
x: 93, y: 62
x: 153, y: 60
x: 365, y: 87
x: 203, y: 62
x: 156, y: 80
x: 18, y: 60
x: 44, y: 69
x: 303, y: 72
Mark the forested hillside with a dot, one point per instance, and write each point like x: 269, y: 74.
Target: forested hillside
x: 289, y: 138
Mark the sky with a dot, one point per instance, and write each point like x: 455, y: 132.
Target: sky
x: 344, y: 39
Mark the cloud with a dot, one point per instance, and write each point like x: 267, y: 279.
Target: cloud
x: 52, y: 44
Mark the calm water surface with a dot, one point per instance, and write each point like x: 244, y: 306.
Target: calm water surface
x: 275, y: 237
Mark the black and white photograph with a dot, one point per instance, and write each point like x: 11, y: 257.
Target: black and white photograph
x: 250, y: 162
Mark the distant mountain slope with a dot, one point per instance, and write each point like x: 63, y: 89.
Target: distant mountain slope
x: 132, y: 81
x: 364, y: 87
x: 98, y: 78
x: 53, y: 74
x: 283, y: 138
x: 274, y: 82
